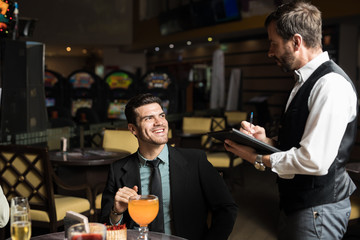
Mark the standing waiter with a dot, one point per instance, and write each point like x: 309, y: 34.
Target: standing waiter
x: 316, y: 132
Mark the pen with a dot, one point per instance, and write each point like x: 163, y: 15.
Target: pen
x: 251, y: 118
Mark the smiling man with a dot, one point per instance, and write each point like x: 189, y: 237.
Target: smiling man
x: 191, y: 188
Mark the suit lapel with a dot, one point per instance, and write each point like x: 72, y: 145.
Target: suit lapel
x: 131, y: 173
x: 178, y: 170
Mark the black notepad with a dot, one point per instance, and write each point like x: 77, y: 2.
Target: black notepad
x: 244, y: 139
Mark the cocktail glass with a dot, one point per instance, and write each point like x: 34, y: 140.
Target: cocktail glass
x: 87, y: 231
x: 143, y: 209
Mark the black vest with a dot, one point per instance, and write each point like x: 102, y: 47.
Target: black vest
x: 305, y: 191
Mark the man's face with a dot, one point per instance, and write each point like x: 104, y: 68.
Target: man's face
x: 152, y: 126
x: 280, y: 50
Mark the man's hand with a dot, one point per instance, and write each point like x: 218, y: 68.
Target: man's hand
x: 245, y: 152
x: 122, y: 198
x: 255, y: 131
x: 247, y: 128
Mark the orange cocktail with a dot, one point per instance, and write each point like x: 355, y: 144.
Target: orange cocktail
x: 143, y: 209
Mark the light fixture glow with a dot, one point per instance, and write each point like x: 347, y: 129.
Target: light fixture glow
x: 188, y: 43
x: 171, y: 45
x: 157, y: 49
x: 68, y: 49
x: 210, y: 39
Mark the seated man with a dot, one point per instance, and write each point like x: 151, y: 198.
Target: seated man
x: 191, y: 187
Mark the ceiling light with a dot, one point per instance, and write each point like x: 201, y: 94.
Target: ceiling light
x: 188, y: 43
x: 171, y: 45
x: 157, y: 49
x: 210, y: 39
x: 68, y: 49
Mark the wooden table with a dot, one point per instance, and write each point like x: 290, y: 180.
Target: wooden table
x: 84, y: 166
x: 131, y: 235
x: 85, y: 157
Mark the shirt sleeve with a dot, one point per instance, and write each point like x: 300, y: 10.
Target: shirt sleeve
x: 332, y: 105
x: 4, y: 209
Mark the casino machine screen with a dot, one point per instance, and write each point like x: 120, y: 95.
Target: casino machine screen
x: 120, y: 86
x: 158, y: 84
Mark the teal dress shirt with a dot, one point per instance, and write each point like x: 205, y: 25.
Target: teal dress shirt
x: 145, y: 173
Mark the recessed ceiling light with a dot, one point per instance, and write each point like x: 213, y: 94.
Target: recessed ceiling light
x: 210, y: 39
x: 171, y: 45
x: 157, y: 49
x: 68, y: 49
x: 188, y: 43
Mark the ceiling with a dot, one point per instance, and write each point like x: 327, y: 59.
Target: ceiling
x: 80, y: 24
x: 94, y: 25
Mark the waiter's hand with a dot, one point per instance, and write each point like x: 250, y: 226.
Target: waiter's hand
x: 122, y: 198
x: 254, y: 130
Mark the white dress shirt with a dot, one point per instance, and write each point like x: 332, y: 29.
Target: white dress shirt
x: 332, y: 105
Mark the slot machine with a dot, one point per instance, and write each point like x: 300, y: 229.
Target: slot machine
x: 85, y: 96
x: 161, y: 85
x: 56, y: 101
x: 121, y: 87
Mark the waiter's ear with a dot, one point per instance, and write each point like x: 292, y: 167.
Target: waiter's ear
x: 297, y: 40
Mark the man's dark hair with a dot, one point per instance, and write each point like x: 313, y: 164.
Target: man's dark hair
x: 138, y: 101
x: 298, y: 17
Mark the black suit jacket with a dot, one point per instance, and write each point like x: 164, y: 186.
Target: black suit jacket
x: 196, y: 189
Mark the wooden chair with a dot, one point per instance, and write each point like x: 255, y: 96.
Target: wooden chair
x: 196, y: 124
x: 355, y: 207
x: 234, y: 118
x: 217, y: 124
x: 194, y: 131
x: 115, y: 140
x: 26, y: 171
x: 119, y: 139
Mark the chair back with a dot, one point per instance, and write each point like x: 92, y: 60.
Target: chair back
x: 217, y: 124
x: 234, y: 118
x: 26, y: 171
x: 114, y: 140
x: 196, y: 124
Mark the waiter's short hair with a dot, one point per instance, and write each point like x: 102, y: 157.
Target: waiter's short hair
x: 298, y: 17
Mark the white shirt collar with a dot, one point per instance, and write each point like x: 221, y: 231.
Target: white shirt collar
x: 305, y: 72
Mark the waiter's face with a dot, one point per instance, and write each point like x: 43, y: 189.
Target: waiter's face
x: 280, y: 49
x: 152, y: 126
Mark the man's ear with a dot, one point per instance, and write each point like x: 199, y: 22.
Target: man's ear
x: 297, y: 40
x: 132, y: 128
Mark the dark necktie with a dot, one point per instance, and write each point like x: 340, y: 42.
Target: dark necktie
x: 156, y: 189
